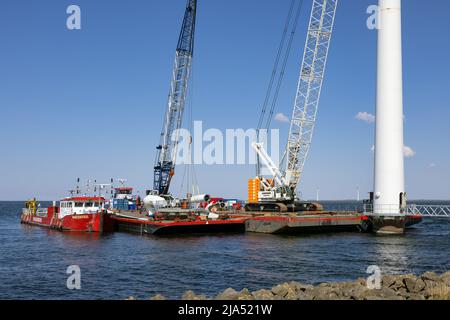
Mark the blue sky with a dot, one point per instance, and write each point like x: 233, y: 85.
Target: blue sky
x: 89, y: 103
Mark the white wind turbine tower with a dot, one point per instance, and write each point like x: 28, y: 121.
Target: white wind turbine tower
x: 389, y: 186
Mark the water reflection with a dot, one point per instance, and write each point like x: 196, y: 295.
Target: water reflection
x: 392, y: 254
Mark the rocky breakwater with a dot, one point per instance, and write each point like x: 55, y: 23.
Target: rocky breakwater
x: 428, y: 286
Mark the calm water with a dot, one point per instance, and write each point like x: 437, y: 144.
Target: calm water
x: 33, y: 260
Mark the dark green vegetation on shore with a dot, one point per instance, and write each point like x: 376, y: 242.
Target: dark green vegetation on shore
x: 428, y: 286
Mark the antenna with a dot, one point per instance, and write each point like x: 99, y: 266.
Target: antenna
x: 101, y: 186
x: 78, y: 186
x: 88, y: 182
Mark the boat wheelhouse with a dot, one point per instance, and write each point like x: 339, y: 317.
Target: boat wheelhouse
x: 124, y: 200
x: 81, y: 205
x: 82, y: 214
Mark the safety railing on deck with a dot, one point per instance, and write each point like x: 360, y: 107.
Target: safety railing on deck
x: 409, y: 210
x: 383, y: 209
x: 39, y: 212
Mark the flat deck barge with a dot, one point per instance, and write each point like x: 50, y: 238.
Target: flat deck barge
x: 239, y: 222
x: 308, y: 222
x: 137, y: 223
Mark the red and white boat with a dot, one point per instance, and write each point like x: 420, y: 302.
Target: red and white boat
x: 82, y: 214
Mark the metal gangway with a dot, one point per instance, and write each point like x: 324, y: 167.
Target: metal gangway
x: 433, y: 211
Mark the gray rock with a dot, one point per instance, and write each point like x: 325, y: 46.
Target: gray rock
x: 263, y: 294
x: 420, y: 285
x: 401, y: 292
x: 305, y: 295
x: 245, y: 294
x: 365, y: 294
x: 373, y: 298
x: 228, y: 294
x: 297, y: 286
x: 380, y: 296
x: 190, y: 295
x: 430, y: 283
x: 410, y: 284
x: 351, y: 290
x: 438, y: 292
x: 398, y: 285
x: 292, y: 295
x: 360, y: 281
x: 388, y: 280
x: 445, y: 275
x: 323, y: 292
x: 281, y: 290
x: 430, y: 276
x: 445, y: 278
x: 327, y: 296
x: 414, y: 296
x: 386, y: 293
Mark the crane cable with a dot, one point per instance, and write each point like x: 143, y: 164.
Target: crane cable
x: 189, y: 174
x: 275, y: 70
x: 283, y: 69
x: 275, y: 67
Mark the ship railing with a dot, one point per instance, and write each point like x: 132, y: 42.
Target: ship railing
x: 41, y: 212
x: 388, y: 209
x: 409, y: 210
x: 342, y: 207
x: 91, y: 211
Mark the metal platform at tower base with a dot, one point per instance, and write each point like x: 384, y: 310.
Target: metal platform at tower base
x: 393, y: 219
x: 388, y: 224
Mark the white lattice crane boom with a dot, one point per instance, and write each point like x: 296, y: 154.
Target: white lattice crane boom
x: 309, y: 88
x: 306, y: 103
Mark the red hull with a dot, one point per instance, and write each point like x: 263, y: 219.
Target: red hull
x: 178, y: 227
x: 92, y: 222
